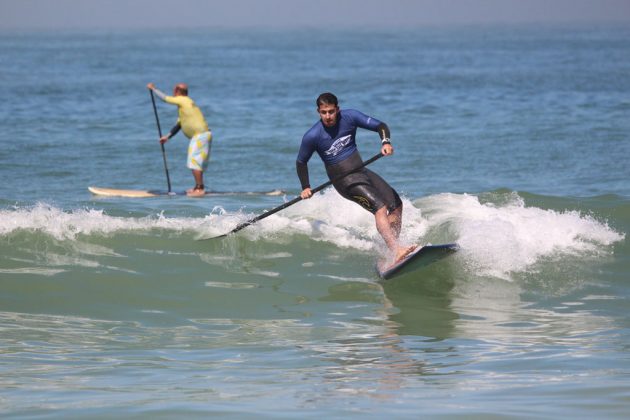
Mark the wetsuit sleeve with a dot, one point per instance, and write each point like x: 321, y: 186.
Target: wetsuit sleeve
x: 306, y: 151
x: 383, y: 131
x: 175, y: 100
x: 302, y: 172
x: 363, y: 121
x: 369, y: 123
x: 174, y: 130
x: 160, y: 94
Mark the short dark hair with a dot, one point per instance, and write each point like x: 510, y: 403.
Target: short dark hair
x: 326, y: 99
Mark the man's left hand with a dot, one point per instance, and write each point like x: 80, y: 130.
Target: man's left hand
x: 387, y: 150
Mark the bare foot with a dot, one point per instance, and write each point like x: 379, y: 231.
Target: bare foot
x: 403, y: 252
x: 194, y: 192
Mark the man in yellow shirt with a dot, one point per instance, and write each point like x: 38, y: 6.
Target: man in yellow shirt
x: 194, y: 125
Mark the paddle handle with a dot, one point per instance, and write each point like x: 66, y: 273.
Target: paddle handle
x: 157, y: 121
x: 298, y: 198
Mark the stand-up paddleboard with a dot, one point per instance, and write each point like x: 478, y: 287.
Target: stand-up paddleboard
x: 112, y: 192
x: 420, y: 257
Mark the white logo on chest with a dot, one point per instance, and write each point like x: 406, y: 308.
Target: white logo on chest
x: 338, y: 145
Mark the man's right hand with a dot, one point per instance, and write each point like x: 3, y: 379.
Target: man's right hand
x: 306, y: 193
x: 163, y: 139
x: 150, y: 86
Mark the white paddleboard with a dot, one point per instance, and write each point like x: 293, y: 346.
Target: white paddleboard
x: 113, y: 192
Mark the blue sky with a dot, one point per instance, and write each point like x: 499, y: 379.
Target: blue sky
x: 115, y: 14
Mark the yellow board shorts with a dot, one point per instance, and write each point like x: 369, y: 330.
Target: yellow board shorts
x: 199, y: 151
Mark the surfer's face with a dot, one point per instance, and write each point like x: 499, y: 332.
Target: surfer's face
x: 328, y: 113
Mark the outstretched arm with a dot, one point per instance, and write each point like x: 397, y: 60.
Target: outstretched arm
x: 157, y: 92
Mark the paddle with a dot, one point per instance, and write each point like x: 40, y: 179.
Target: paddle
x: 157, y: 120
x: 296, y: 199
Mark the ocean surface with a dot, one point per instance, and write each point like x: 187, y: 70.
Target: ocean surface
x: 512, y: 141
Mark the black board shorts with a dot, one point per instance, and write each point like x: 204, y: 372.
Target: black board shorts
x: 364, y: 187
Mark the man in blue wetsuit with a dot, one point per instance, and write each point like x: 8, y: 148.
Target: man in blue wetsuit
x: 333, y: 138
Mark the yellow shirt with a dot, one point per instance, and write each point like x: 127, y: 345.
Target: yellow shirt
x: 190, y: 117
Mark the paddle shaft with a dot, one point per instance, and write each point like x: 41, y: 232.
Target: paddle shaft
x: 298, y: 198
x: 157, y: 120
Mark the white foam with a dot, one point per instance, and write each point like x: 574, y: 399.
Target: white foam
x: 510, y: 237
x: 67, y: 225
x: 225, y: 285
x: 326, y: 217
x: 264, y: 273
x: 348, y: 279
x: 331, y: 218
x: 495, y: 239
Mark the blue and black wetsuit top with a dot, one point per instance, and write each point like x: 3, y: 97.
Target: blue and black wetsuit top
x: 337, y: 148
x: 335, y: 144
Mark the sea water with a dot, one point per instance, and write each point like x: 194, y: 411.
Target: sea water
x: 511, y: 141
